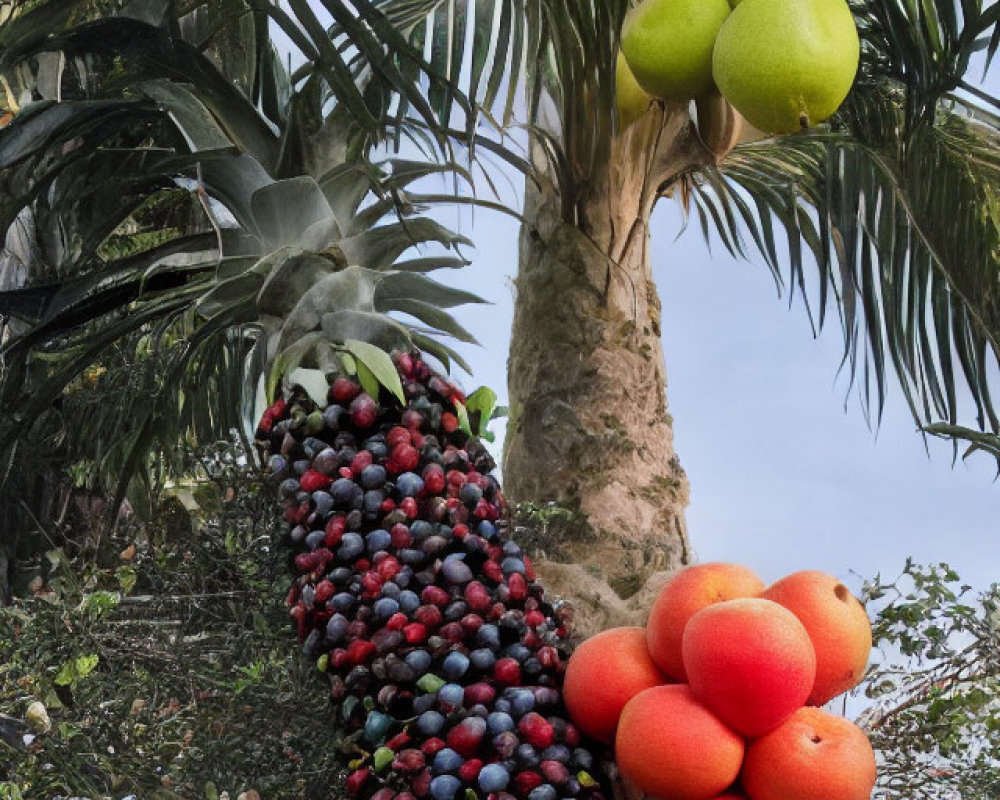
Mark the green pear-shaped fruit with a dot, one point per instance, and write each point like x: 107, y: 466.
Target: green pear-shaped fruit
x: 787, y: 65
x: 632, y: 99
x: 668, y: 45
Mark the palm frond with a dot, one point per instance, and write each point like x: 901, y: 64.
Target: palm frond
x: 898, y: 204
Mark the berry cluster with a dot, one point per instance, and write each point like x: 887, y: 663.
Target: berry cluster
x: 441, y: 650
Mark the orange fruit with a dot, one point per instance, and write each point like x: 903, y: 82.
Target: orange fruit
x: 671, y: 746
x: 837, y: 625
x: 684, y: 595
x: 750, y: 661
x: 814, y: 755
x: 603, y: 674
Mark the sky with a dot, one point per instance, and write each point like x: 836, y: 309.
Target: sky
x: 784, y: 475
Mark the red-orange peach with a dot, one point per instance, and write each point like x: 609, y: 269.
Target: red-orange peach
x: 814, y: 755
x: 750, y: 661
x: 603, y: 674
x: 671, y: 746
x: 837, y: 625
x: 684, y: 595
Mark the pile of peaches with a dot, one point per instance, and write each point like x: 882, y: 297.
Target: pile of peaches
x: 718, y: 697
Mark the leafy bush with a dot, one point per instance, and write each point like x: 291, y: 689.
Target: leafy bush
x: 166, y: 662
x: 934, y: 717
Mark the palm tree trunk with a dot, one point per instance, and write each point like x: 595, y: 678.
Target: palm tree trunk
x: 590, y: 441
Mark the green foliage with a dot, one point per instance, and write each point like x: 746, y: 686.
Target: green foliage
x: 166, y: 660
x: 934, y: 717
x: 185, y: 196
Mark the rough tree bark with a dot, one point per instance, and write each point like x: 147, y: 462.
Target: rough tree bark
x: 589, y: 431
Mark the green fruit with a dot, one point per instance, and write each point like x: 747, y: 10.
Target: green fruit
x: 632, y: 99
x: 787, y: 65
x: 668, y: 45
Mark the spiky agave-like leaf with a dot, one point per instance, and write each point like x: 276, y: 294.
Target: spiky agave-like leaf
x: 186, y: 124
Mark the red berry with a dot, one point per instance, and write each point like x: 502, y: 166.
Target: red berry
x: 429, y: 615
x: 343, y: 391
x: 400, y: 536
x: 479, y: 693
x: 452, y: 632
x: 324, y: 591
x: 313, y: 480
x: 554, y: 772
x: 345, y: 472
x: 277, y: 408
x: 534, y: 618
x: 371, y: 583
x: 484, y: 509
x: 434, y: 480
x: 507, y: 671
x: 405, y: 364
x: 465, y: 737
x: 404, y: 458
x: 415, y: 633
x: 409, y: 507
x: 397, y: 436
x: 536, y: 730
x: 493, y: 571
x: 421, y: 785
x: 524, y: 782
x: 409, y: 761
x: 338, y: 658
x: 412, y: 419
x: 388, y: 568
x: 472, y: 623
x: 548, y: 656
x: 364, y: 411
x: 397, y: 621
x: 469, y: 771
x: 435, y: 595
x: 449, y: 422
x: 571, y: 735
x: 477, y: 596
x: 432, y: 746
x: 360, y: 461
x: 398, y: 740
x: 335, y: 527
x: 357, y: 780
x: 518, y: 586
x: 360, y: 651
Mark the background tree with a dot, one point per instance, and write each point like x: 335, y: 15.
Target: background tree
x: 934, y: 689
x: 187, y: 209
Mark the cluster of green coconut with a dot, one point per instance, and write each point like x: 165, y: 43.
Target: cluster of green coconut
x: 783, y: 64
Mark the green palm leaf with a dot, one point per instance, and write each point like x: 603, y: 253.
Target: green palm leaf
x: 897, y: 204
